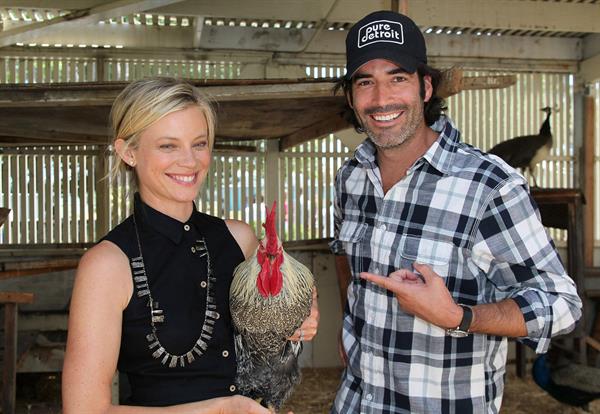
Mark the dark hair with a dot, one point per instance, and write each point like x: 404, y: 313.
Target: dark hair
x: 432, y: 109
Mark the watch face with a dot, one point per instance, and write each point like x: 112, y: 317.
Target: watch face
x: 456, y: 333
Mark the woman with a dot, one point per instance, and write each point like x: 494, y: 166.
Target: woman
x: 151, y: 299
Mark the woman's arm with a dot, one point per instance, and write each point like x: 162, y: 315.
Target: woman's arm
x: 102, y: 289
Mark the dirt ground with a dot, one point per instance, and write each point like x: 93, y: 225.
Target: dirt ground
x: 316, y: 393
x: 521, y: 396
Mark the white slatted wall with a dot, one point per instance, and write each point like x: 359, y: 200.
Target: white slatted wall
x: 57, y: 206
x: 487, y: 117
x: 307, y: 174
x: 51, y: 192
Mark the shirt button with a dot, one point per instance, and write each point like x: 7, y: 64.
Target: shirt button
x: 225, y: 354
x: 203, y: 284
x: 193, y: 249
x: 186, y: 227
x: 369, y: 397
x: 232, y: 388
x: 382, y: 227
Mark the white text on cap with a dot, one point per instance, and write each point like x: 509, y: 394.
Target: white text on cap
x: 380, y: 31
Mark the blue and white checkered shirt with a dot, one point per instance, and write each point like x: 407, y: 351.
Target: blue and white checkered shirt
x: 471, y: 218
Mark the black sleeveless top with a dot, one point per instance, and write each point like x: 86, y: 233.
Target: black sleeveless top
x: 176, y: 270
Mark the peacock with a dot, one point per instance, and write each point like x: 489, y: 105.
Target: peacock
x: 528, y: 150
x: 568, y: 382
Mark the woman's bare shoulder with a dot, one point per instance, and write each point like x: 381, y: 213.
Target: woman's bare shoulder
x: 106, y: 267
x: 244, y: 236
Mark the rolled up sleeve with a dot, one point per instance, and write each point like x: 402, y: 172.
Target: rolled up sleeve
x: 336, y: 246
x: 515, y: 252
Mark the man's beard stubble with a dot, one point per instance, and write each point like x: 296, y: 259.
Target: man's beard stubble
x: 414, y: 118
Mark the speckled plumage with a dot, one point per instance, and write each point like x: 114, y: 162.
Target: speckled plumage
x: 267, y: 361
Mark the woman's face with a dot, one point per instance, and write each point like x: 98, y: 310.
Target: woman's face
x: 172, y: 159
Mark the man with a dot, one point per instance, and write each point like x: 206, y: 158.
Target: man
x: 447, y: 253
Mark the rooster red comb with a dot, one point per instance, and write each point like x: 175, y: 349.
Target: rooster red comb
x: 271, y: 232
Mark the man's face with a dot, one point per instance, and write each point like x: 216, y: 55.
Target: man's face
x: 387, y: 102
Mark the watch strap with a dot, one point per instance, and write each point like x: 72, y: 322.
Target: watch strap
x: 467, y: 318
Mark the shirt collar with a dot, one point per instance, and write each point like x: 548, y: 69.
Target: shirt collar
x: 167, y: 226
x: 440, y: 155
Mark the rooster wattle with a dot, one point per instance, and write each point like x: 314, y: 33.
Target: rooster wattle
x: 270, y: 296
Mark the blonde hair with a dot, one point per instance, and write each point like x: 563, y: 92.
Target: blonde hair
x: 144, y: 102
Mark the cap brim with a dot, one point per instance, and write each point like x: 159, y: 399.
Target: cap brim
x: 407, y: 62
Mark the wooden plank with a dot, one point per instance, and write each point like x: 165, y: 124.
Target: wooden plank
x: 31, y: 193
x: 64, y: 197
x: 588, y: 179
x: 315, y: 130
x: 56, y: 196
x: 9, y: 371
x: 40, y: 216
x: 14, y: 203
x: 11, y: 274
x: 103, y: 94
x: 15, y: 297
x: 74, y: 182
x: 21, y: 218
x: 3, y: 70
x: 91, y: 191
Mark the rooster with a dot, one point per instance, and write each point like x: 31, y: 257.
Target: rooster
x: 270, y: 296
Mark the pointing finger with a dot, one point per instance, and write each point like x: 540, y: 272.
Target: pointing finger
x: 383, y: 281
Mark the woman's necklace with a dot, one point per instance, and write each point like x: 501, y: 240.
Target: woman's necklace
x: 211, y: 315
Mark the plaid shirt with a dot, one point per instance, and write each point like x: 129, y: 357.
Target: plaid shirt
x: 471, y: 218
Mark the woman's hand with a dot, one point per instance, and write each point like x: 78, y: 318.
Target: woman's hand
x: 309, y: 327
x: 238, y: 404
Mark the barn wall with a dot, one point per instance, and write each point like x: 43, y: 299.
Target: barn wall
x: 54, y: 192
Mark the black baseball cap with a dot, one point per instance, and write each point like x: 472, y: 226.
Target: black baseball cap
x: 385, y: 35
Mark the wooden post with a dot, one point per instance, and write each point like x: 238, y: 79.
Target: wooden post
x: 9, y: 372
x: 588, y: 178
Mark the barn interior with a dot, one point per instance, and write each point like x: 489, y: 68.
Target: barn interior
x: 270, y: 67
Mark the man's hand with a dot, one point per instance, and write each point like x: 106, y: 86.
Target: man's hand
x: 424, y: 295
x: 310, y: 326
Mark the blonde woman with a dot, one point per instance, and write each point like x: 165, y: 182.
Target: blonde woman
x: 151, y: 299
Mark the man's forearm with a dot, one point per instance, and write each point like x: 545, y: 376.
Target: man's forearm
x: 342, y: 269
x: 503, y: 319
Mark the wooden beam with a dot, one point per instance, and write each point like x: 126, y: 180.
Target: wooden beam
x: 9, y: 369
x: 487, y: 82
x: 234, y: 148
x: 103, y: 94
x: 79, y: 17
x: 11, y: 274
x: 16, y: 297
x: 31, y: 136
x: 49, y: 4
x: 590, y: 69
x: 499, y: 14
x: 319, y: 129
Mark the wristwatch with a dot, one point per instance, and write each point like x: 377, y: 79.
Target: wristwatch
x: 462, y: 329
